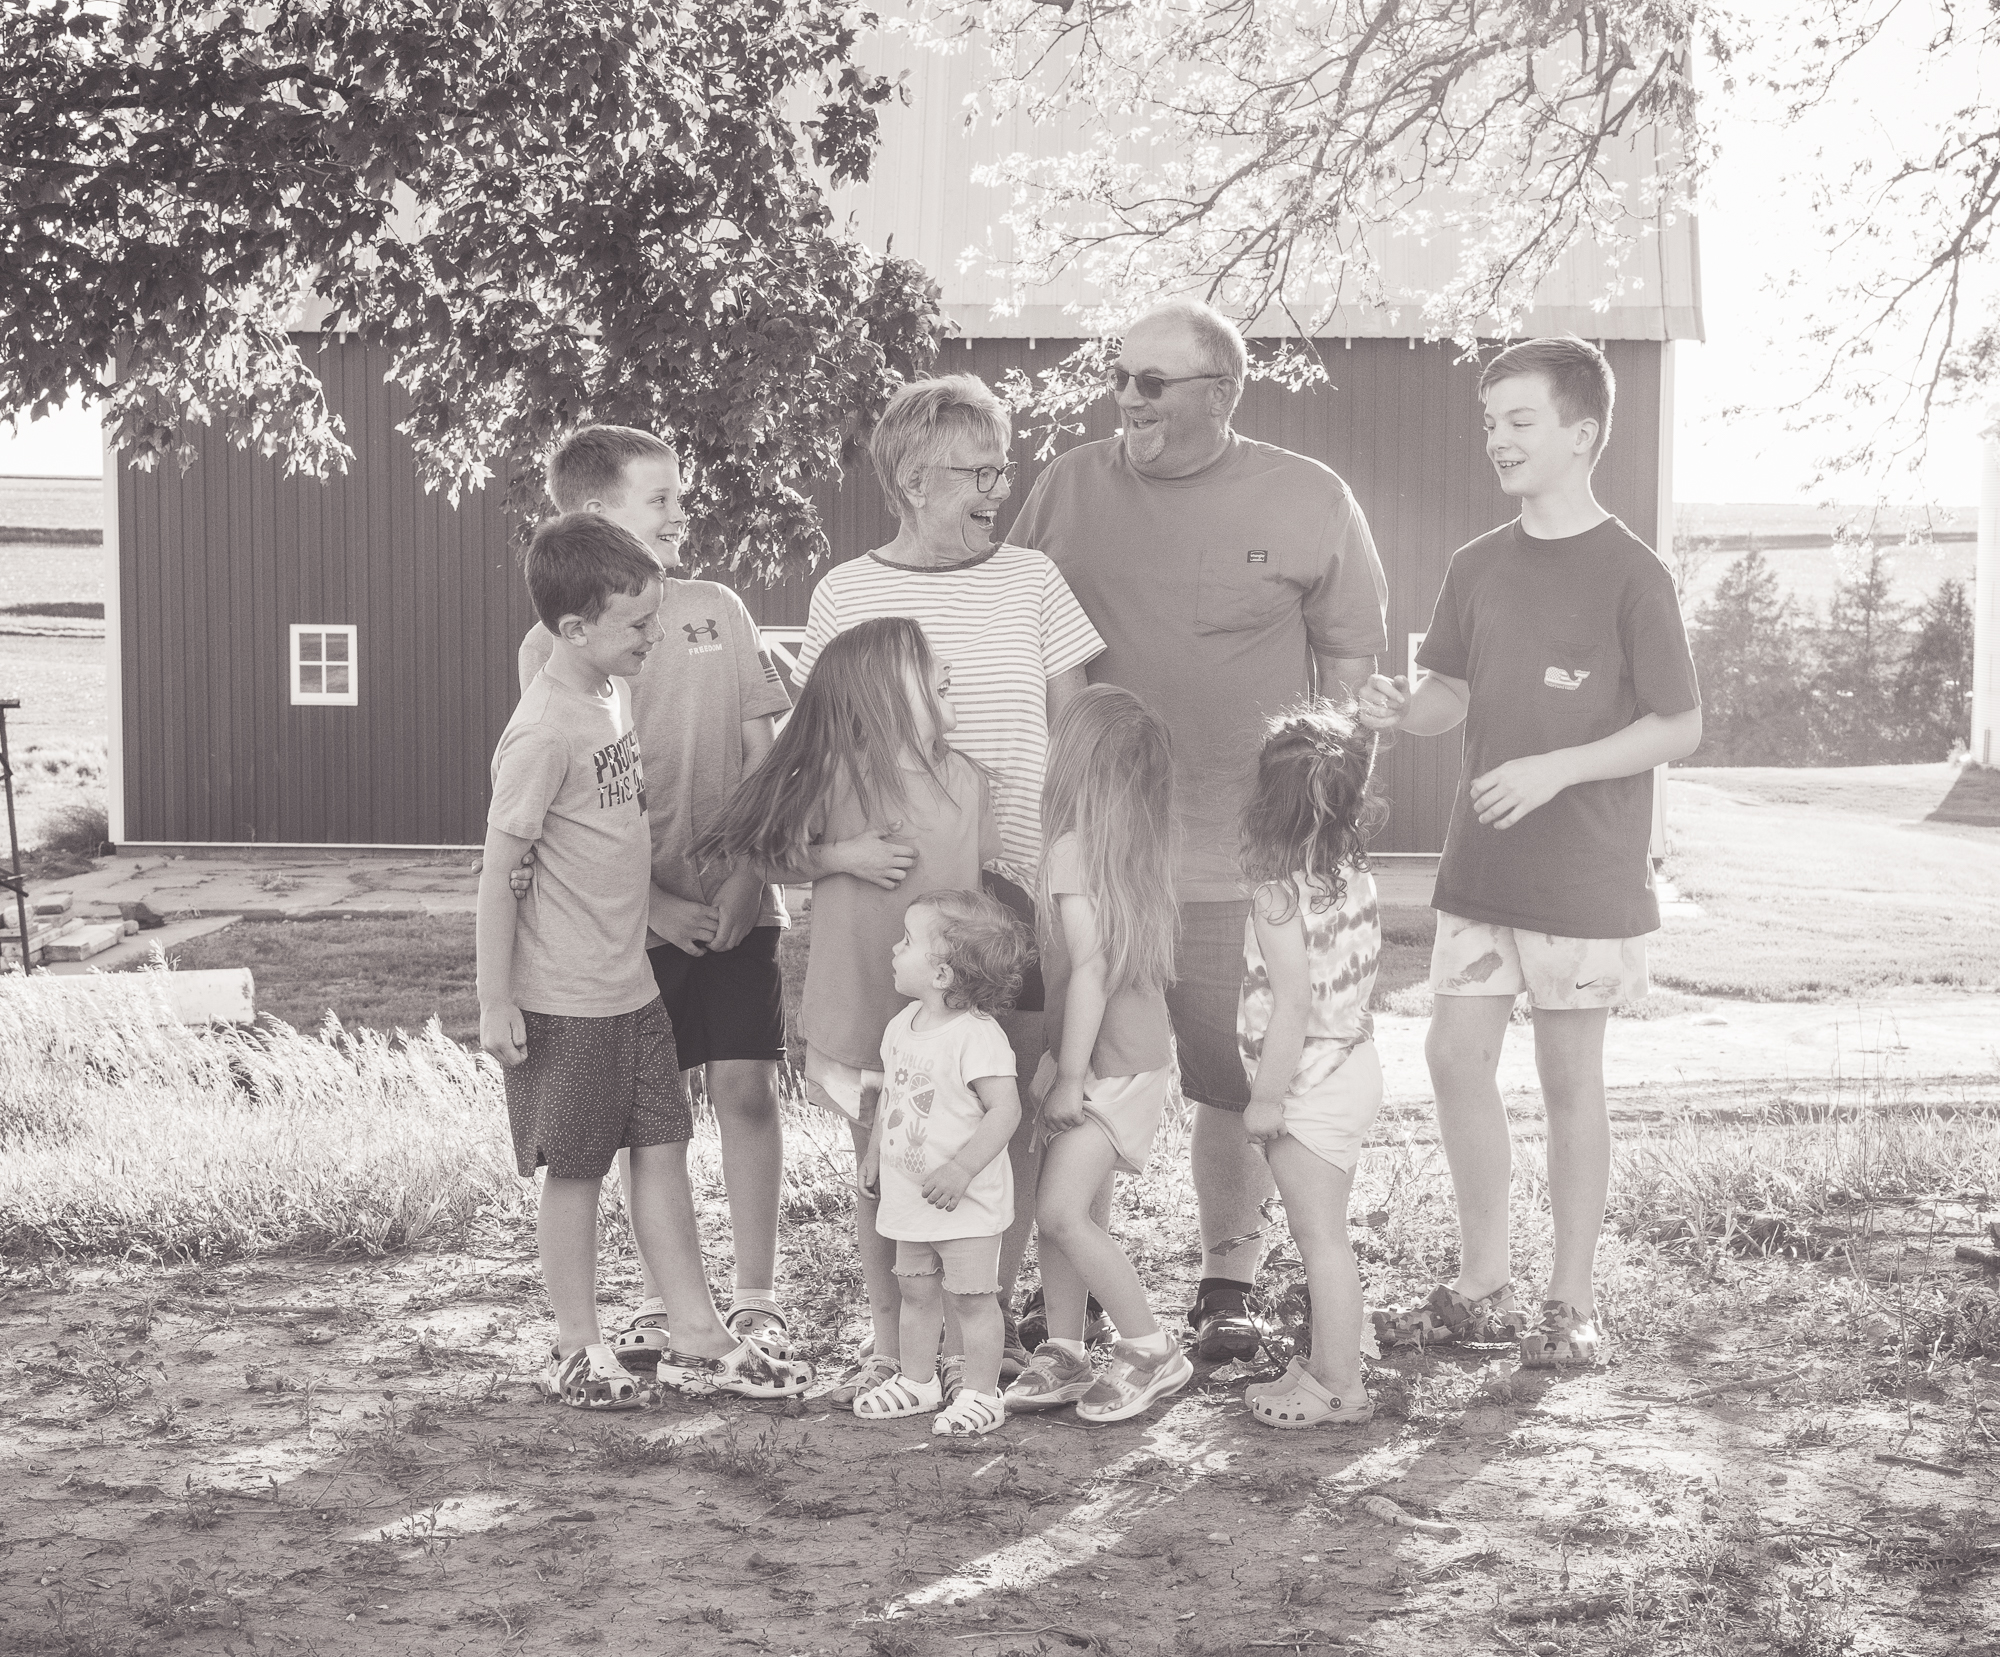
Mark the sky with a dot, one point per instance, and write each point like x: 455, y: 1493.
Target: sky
x: 1757, y: 225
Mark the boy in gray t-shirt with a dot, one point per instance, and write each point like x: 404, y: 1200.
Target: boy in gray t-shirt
x: 566, y: 1001
x: 1558, y: 642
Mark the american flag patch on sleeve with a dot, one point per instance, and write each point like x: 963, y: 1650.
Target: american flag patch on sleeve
x: 770, y: 668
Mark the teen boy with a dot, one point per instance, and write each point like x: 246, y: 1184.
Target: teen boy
x: 704, y: 705
x: 1558, y: 640
x: 566, y: 1003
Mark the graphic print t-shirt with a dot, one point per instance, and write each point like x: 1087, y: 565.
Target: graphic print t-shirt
x: 706, y: 678
x: 1561, y: 643
x: 566, y: 775
x: 930, y: 1111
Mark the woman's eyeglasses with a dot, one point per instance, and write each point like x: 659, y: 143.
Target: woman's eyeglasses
x: 1152, y: 386
x: 985, y: 477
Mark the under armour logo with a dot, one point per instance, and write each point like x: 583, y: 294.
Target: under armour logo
x: 694, y: 632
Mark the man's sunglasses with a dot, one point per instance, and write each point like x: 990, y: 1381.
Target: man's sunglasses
x: 984, y: 477
x: 1153, y: 386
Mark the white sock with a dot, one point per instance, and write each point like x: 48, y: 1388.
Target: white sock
x: 760, y: 1300
x: 1074, y: 1348
x: 1156, y: 1345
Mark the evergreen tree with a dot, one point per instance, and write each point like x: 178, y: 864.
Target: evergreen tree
x: 1746, y: 652
x: 1861, y: 649
x: 1933, y: 696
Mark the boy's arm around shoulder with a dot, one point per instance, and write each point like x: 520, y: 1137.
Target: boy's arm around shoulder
x: 502, y: 1030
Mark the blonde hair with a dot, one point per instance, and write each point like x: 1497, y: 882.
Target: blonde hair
x: 982, y: 943
x: 854, y: 723
x: 1110, y: 783
x: 923, y: 420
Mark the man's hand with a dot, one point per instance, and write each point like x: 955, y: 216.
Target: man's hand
x: 873, y: 856
x: 736, y: 907
x: 1383, y: 702
x: 1507, y: 793
x: 1263, y: 1122
x: 522, y: 876
x: 503, y: 1032
x: 946, y: 1184
x: 689, y: 927
x: 1062, y: 1106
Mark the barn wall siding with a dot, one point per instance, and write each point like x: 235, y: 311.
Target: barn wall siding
x: 218, y: 562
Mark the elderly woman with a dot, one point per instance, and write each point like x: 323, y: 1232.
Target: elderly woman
x: 1006, y: 622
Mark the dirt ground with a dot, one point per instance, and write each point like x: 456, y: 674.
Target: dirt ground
x: 351, y: 1459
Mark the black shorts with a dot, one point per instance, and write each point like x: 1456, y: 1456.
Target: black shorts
x: 1202, y: 1004
x: 591, y: 1087
x: 726, y: 1006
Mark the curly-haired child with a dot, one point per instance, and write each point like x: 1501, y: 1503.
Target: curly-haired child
x: 937, y: 1160
x: 1310, y: 950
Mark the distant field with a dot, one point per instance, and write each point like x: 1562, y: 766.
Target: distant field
x: 61, y: 686
x: 1808, y: 573
x: 40, y: 575
x: 52, y: 503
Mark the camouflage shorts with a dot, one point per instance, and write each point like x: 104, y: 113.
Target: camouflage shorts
x: 1478, y: 958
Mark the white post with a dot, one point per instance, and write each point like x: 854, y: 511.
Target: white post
x: 1986, y: 600
x: 114, y: 648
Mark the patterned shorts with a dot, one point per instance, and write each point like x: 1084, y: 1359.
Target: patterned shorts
x: 1558, y: 974
x: 591, y: 1087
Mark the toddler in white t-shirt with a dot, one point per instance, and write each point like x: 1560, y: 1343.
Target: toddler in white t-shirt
x: 937, y: 1159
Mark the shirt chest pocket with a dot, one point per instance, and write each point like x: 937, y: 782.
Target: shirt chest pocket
x: 1576, y: 692
x: 1238, y: 590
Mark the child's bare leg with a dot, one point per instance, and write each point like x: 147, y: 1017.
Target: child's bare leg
x: 1569, y: 1057
x: 982, y: 1329
x: 1463, y: 1048
x: 1024, y: 1034
x: 1316, y: 1195
x: 744, y: 1093
x: 878, y: 1263
x: 663, y: 1225
x: 566, y: 1235
x: 1076, y: 1174
x: 922, y: 1318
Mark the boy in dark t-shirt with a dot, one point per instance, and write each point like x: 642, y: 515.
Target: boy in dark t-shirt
x: 1558, y: 641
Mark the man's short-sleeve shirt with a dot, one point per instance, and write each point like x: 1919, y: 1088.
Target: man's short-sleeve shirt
x: 1211, y: 592
x: 566, y: 775
x: 1008, y: 624
x: 704, y: 680
x: 1560, y: 643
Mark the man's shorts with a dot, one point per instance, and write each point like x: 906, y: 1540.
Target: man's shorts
x: 726, y: 1006
x: 591, y: 1087
x: 1558, y: 974
x: 842, y: 1089
x: 971, y: 1265
x: 1126, y: 1109
x: 1333, y: 1120
x: 1202, y: 1004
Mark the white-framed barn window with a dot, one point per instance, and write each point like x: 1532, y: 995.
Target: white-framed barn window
x: 323, y: 665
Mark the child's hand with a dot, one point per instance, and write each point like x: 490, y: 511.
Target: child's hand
x: 1382, y: 702
x: 736, y: 907
x: 1507, y: 793
x: 874, y: 857
x: 503, y: 1032
x: 946, y: 1184
x: 687, y: 926
x: 1062, y: 1106
x: 869, y: 1176
x: 522, y: 876
x: 1263, y: 1122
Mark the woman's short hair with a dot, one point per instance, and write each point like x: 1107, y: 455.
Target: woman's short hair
x: 925, y: 419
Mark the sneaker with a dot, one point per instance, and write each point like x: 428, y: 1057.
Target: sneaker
x: 1053, y: 1378
x: 1222, y: 1327
x: 1447, y: 1317
x: 1014, y: 1357
x: 1566, y: 1339
x: 1134, y: 1382
x: 1033, y: 1324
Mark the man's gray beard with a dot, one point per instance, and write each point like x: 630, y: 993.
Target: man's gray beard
x: 1147, y: 445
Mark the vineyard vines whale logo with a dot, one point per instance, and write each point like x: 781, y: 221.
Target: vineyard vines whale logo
x: 1561, y: 678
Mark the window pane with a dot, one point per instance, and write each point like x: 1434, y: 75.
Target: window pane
x: 309, y: 681
x: 336, y: 647
x: 309, y: 646
x: 336, y: 680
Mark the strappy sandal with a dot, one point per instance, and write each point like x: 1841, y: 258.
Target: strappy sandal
x: 970, y: 1414
x: 590, y: 1378
x: 762, y: 1325
x: 951, y: 1376
x: 1298, y: 1399
x: 644, y: 1341
x: 749, y: 1372
x: 868, y: 1373
x: 900, y: 1396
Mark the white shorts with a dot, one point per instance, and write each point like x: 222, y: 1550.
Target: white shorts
x: 840, y: 1088
x: 1127, y: 1108
x: 1334, y: 1119
x: 1558, y: 974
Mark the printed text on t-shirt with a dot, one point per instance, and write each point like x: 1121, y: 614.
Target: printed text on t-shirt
x: 618, y: 780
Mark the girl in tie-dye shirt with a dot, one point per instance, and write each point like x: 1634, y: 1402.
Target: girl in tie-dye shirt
x: 1310, y: 948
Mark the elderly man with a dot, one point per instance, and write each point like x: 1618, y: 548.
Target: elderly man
x: 1228, y: 579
